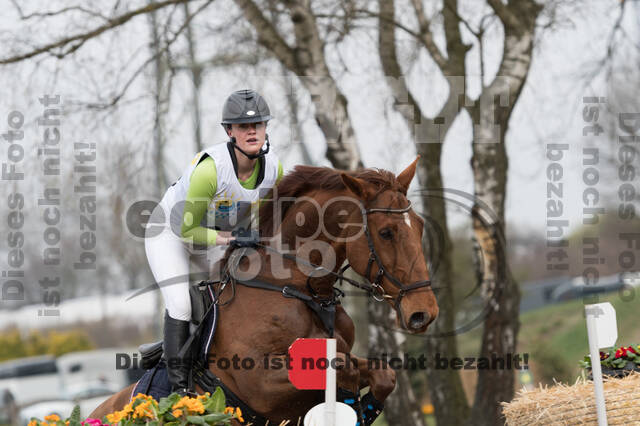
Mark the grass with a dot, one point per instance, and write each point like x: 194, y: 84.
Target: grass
x: 557, y: 334
x: 556, y: 338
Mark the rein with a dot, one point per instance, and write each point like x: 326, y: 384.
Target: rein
x: 325, y: 307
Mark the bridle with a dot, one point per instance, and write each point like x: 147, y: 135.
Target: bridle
x: 377, y: 291
x: 315, y: 301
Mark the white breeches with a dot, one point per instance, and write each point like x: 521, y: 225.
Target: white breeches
x: 171, y: 261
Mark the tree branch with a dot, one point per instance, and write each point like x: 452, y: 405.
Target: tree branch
x: 268, y: 36
x: 141, y: 68
x: 426, y: 37
x: 504, y: 13
x: 56, y: 12
x: 76, y: 41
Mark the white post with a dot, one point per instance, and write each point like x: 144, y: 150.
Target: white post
x: 594, y: 351
x: 330, y: 391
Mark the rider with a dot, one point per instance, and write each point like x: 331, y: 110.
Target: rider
x: 217, y: 193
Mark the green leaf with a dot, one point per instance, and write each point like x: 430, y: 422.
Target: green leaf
x: 172, y: 424
x: 217, y: 417
x: 74, y: 418
x: 217, y: 402
x: 196, y: 420
x: 166, y: 403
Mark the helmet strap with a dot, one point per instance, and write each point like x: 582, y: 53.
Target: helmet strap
x: 262, y: 152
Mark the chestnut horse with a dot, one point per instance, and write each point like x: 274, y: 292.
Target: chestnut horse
x: 326, y: 217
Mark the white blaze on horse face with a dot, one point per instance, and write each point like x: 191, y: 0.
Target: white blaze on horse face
x: 406, y: 219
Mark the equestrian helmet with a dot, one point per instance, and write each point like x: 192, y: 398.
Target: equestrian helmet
x: 245, y: 106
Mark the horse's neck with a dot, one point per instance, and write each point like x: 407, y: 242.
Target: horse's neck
x: 290, y: 238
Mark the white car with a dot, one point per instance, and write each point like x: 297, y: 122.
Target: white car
x: 31, y: 379
x: 87, y: 395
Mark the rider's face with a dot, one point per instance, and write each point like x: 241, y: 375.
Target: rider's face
x: 249, y: 136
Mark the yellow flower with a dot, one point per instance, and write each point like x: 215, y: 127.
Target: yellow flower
x: 115, y: 417
x: 176, y: 413
x: 143, y: 410
x: 141, y: 396
x: 239, y: 414
x: 33, y: 423
x: 192, y: 405
x: 228, y: 410
x: 52, y: 418
x: 427, y: 409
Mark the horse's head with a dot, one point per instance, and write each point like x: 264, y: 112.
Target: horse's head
x: 389, y: 252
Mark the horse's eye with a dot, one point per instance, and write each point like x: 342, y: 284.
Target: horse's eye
x: 386, y: 234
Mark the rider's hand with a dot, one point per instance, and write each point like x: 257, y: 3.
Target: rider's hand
x: 224, y: 238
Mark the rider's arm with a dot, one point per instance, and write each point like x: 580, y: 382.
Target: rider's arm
x: 202, y: 189
x: 280, y: 172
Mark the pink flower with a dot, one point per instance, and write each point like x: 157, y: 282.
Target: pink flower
x: 92, y: 422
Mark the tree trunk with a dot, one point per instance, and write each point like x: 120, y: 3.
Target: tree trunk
x: 445, y: 386
x: 161, y: 94
x: 489, y: 163
x: 400, y: 406
x: 196, y: 76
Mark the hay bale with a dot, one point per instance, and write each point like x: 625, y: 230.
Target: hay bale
x: 575, y: 405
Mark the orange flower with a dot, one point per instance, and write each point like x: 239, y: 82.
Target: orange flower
x: 141, y: 396
x: 33, y: 423
x: 176, y: 413
x: 192, y: 405
x: 52, y: 418
x: 143, y: 410
x: 239, y: 414
x: 228, y: 410
x: 427, y: 409
x: 117, y: 416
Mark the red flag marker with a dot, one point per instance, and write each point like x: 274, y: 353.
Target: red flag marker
x: 308, y: 360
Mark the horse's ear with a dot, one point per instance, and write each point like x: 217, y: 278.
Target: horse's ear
x: 404, y: 178
x: 357, y: 186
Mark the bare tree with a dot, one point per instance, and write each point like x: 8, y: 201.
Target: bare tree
x: 490, y: 115
x: 306, y: 59
x: 445, y: 385
x: 196, y: 70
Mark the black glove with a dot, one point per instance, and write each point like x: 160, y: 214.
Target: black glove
x: 244, y: 237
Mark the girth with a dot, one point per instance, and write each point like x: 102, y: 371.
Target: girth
x: 325, y: 309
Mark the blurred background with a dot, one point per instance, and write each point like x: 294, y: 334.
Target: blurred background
x: 525, y: 114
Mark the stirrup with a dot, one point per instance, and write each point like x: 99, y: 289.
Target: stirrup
x: 186, y: 392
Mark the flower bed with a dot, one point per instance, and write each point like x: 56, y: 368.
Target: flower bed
x: 173, y: 410
x: 617, y: 362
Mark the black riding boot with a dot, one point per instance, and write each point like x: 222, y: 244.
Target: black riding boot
x: 176, y: 333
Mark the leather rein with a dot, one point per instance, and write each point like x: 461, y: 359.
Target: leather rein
x: 325, y: 307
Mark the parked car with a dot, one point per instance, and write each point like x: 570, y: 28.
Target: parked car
x: 87, y: 395
x: 31, y: 379
x: 576, y: 288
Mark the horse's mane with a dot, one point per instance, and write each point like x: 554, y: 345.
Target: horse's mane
x: 304, y: 179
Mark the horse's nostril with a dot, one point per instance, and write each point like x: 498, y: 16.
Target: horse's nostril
x: 418, y: 320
